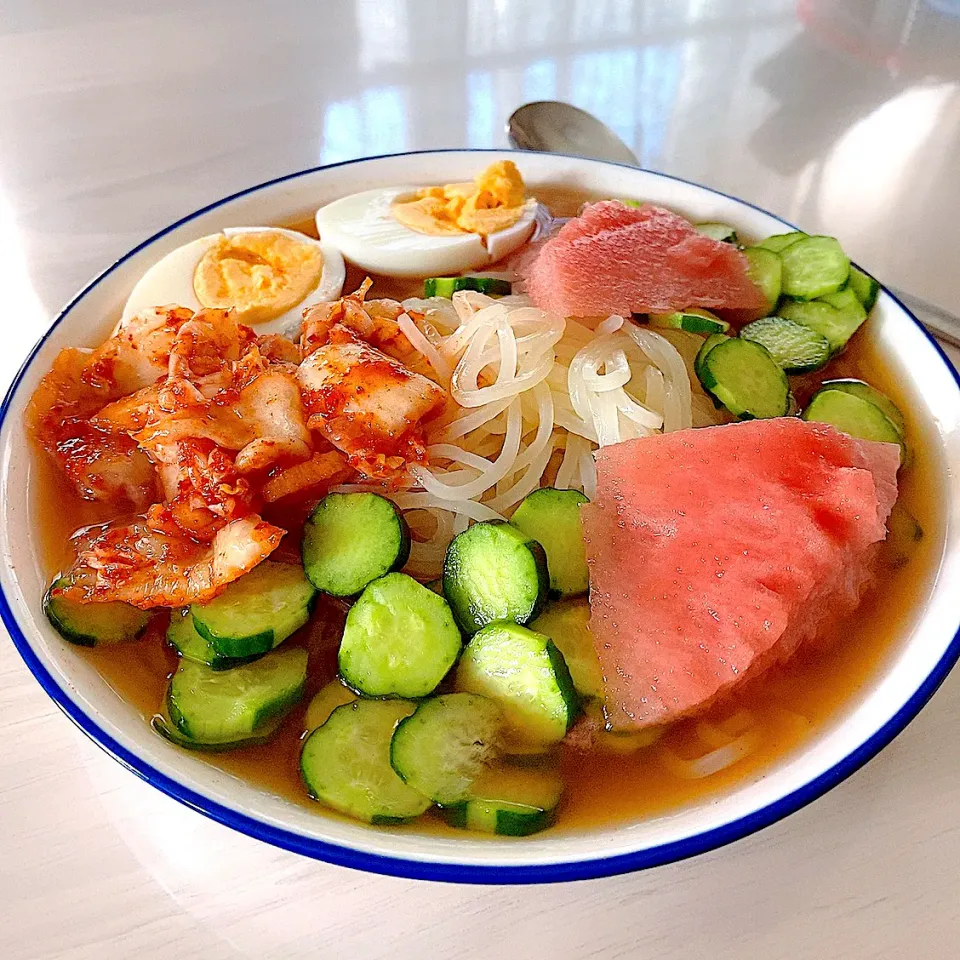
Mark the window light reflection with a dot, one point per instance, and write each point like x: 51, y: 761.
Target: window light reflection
x: 20, y: 298
x: 384, y: 32
x: 375, y: 122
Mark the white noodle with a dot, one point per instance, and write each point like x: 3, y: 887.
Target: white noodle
x: 475, y: 487
x: 710, y: 763
x: 424, y: 346
x: 677, y: 405
x: 570, y: 465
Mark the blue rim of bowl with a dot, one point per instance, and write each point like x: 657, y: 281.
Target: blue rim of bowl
x: 445, y: 870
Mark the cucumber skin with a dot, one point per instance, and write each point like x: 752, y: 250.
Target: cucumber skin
x: 242, y: 648
x: 471, y: 622
x: 399, y: 562
x: 264, y: 716
x: 49, y: 607
x: 710, y: 383
x: 218, y: 663
x: 557, y: 589
x: 376, y: 819
x: 171, y: 733
x: 508, y: 823
x: 249, y: 648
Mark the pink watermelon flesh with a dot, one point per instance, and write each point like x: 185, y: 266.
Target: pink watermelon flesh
x: 614, y: 259
x: 717, y: 552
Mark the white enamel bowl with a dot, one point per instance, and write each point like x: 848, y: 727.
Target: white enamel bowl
x: 905, y: 681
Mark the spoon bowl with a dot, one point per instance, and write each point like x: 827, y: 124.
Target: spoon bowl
x: 549, y: 126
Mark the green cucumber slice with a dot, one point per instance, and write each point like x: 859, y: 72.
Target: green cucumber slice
x: 346, y: 763
x: 780, y: 241
x: 526, y: 675
x: 814, y: 266
x: 865, y: 288
x: 92, y: 624
x: 163, y: 725
x: 325, y: 701
x: 399, y: 639
x: 183, y: 637
x: 746, y: 380
x: 836, y: 324
x: 257, y: 612
x: 904, y: 535
x: 444, y: 746
x: 853, y: 415
x: 693, y: 320
x: 795, y: 347
x: 509, y: 801
x: 216, y: 708
x: 448, y: 286
x: 705, y: 348
x: 494, y: 571
x: 718, y: 231
x: 552, y: 518
x: 567, y: 624
x: 863, y: 390
x: 351, y: 539
x: 765, y: 269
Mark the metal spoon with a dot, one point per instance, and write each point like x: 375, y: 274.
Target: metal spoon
x: 553, y: 127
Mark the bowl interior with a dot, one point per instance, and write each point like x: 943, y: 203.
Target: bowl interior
x: 907, y: 678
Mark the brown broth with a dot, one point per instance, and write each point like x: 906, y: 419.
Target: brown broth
x: 791, y: 703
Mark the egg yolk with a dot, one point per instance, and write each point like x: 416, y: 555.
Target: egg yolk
x: 493, y: 201
x: 260, y: 275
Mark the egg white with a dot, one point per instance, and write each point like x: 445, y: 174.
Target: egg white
x: 170, y: 280
x: 362, y: 227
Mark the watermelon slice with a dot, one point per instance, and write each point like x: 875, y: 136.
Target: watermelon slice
x: 614, y: 259
x: 716, y: 552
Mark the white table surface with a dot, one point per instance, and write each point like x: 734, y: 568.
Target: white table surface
x: 118, y: 116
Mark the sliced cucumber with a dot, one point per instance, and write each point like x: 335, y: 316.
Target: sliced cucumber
x: 567, y: 624
x: 92, y: 624
x: 526, y: 675
x: 614, y: 741
x: 864, y: 287
x: 814, y: 266
x: 509, y: 801
x: 346, y: 763
x: 163, y: 725
x: 837, y: 325
x: 257, y: 612
x: 325, y: 701
x: 351, y: 539
x: 494, y: 571
x: 904, y: 534
x: 765, y: 269
x: 795, y: 347
x: 853, y: 415
x: 552, y: 518
x: 844, y: 299
x: 746, y: 380
x: 223, y: 707
x: 399, y: 639
x: 718, y: 231
x: 444, y: 746
x: 448, y: 286
x: 693, y: 320
x: 865, y: 392
x: 705, y: 348
x: 183, y: 637
x: 780, y: 241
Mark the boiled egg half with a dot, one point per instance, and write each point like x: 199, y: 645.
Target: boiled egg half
x: 267, y: 274
x: 409, y: 231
